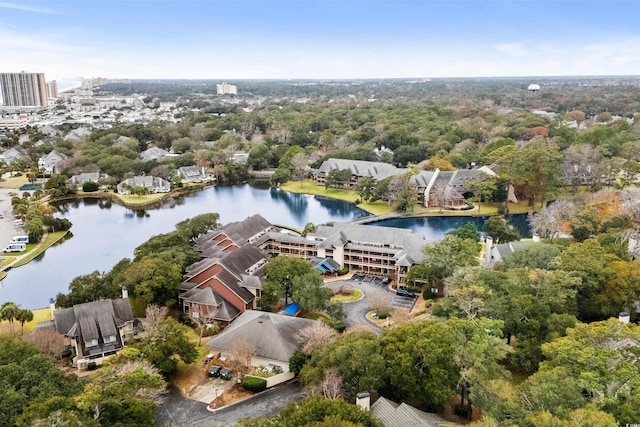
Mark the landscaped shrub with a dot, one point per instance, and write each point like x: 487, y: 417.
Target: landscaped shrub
x: 383, y: 314
x: 427, y: 294
x: 254, y: 384
x: 343, y: 271
x: 90, y: 186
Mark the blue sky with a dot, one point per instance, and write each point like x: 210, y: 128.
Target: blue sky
x: 324, y: 39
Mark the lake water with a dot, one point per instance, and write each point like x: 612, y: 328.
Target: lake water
x: 104, y: 232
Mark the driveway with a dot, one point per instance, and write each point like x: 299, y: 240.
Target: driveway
x: 356, y: 311
x: 178, y: 411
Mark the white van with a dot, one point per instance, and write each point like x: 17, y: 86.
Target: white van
x: 20, y: 239
x: 16, y: 247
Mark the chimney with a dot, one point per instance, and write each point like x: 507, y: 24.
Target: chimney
x: 487, y: 250
x: 363, y: 400
x: 52, y: 306
x: 125, y: 292
x: 624, y: 317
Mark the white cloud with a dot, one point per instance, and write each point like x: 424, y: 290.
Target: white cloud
x: 26, y: 8
x: 512, y: 49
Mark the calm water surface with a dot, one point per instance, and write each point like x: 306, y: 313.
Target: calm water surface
x: 104, y: 233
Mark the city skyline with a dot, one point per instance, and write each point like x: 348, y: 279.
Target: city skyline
x: 251, y: 39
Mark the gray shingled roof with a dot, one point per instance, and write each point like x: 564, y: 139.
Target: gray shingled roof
x: 93, y: 320
x: 238, y: 261
x: 392, y: 414
x: 271, y: 334
x: 361, y: 168
x: 422, y: 178
x: 225, y: 311
x: 405, y: 244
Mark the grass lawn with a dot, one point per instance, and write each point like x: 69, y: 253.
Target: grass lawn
x: 381, y: 207
x: 316, y: 316
x: 7, y: 260
x: 309, y: 186
x: 51, y: 239
x: 40, y: 315
x: 131, y: 199
x: 357, y: 294
x: 14, y: 182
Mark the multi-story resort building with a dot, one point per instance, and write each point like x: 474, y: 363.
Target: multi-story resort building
x: 226, y: 282
x: 446, y: 189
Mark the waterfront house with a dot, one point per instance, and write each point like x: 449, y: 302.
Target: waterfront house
x: 96, y: 330
x: 154, y: 184
x: 15, y: 154
x: 77, y: 181
x: 194, y: 174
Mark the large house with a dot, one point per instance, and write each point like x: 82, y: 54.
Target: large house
x: 77, y: 181
x: 96, y: 330
x: 15, y: 154
x: 272, y: 336
x: 154, y: 184
x: 153, y: 153
x: 51, y: 162
x: 446, y: 189
x: 193, y: 174
x: 227, y: 277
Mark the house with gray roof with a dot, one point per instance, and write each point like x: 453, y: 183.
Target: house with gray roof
x: 77, y: 181
x: 273, y: 337
x: 154, y: 184
x: 153, y: 153
x: 392, y: 414
x: 15, y: 154
x: 52, y: 162
x: 358, y: 168
x: 96, y: 330
x: 496, y: 253
x: 193, y: 174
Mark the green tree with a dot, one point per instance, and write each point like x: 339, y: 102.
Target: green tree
x: 24, y: 315
x: 443, y: 257
x: 337, y: 178
x: 198, y: 225
x: 166, y: 345
x: 9, y: 311
x: 295, y: 278
x: 466, y: 231
x: 154, y: 279
x: 500, y: 231
x: 365, y: 187
x: 358, y: 359
x: 317, y: 411
x: 422, y: 368
x: 536, y: 255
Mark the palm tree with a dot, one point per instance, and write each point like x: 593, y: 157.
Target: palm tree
x: 23, y: 316
x: 9, y: 311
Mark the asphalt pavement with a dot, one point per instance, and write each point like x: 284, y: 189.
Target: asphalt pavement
x: 178, y: 411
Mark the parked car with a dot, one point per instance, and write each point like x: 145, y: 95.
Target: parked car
x: 272, y: 369
x: 357, y: 276
x: 404, y: 292
x: 226, y: 373
x: 214, y: 371
x: 386, y: 280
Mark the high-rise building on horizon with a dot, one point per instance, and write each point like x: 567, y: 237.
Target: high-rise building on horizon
x: 52, y: 89
x: 226, y: 89
x: 23, y: 89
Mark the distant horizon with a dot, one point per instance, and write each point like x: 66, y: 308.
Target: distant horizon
x: 320, y: 39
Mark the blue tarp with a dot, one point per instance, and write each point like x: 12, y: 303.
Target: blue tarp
x: 327, y: 266
x: 321, y: 268
x: 291, y: 309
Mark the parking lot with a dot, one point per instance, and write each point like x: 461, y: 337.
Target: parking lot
x: 382, y: 282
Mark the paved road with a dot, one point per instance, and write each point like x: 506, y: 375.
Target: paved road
x: 177, y: 411
x: 356, y: 311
